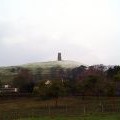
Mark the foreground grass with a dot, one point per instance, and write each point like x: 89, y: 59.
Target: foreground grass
x: 89, y: 117
x: 32, y: 108
x: 29, y: 103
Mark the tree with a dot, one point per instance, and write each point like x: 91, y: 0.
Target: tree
x: 113, y: 75
x: 56, y: 90
x: 38, y: 74
x: 24, y: 81
x: 0, y: 80
x: 112, y: 71
x: 89, y: 85
x: 0, y: 84
x: 78, y: 72
x: 53, y: 90
x: 117, y: 83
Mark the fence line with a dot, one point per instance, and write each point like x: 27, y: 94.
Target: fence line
x: 60, y: 110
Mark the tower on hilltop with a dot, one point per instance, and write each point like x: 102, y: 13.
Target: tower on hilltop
x: 59, y: 56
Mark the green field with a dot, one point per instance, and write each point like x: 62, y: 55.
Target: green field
x: 89, y: 117
x: 69, y: 108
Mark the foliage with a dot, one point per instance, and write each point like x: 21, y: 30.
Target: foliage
x: 54, y: 89
x: 0, y: 84
x: 38, y: 74
x: 92, y: 80
x: 117, y: 77
x: 112, y: 71
x: 24, y: 81
x: 83, y: 80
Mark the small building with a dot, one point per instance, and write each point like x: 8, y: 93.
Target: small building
x: 6, y: 86
x: 8, y: 89
x: 48, y: 82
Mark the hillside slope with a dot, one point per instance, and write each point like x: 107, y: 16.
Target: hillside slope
x: 49, y: 64
x: 40, y: 70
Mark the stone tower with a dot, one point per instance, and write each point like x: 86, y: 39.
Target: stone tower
x: 59, y: 56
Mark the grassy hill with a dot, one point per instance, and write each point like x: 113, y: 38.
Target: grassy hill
x: 40, y: 70
x: 64, y: 64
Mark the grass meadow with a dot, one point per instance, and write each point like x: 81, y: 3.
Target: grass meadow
x: 90, y: 117
x: 69, y: 108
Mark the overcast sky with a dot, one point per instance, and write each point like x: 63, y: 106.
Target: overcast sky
x: 82, y: 30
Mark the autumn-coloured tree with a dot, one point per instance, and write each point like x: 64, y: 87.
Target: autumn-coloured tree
x: 24, y: 81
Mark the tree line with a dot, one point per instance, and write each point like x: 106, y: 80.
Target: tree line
x: 96, y: 80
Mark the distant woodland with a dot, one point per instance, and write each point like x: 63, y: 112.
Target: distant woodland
x: 96, y: 80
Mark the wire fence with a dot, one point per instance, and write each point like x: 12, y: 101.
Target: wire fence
x: 80, y: 110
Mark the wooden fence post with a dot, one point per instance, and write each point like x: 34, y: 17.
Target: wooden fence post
x: 102, y: 109
x: 49, y: 110
x: 66, y: 109
x: 84, y: 109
